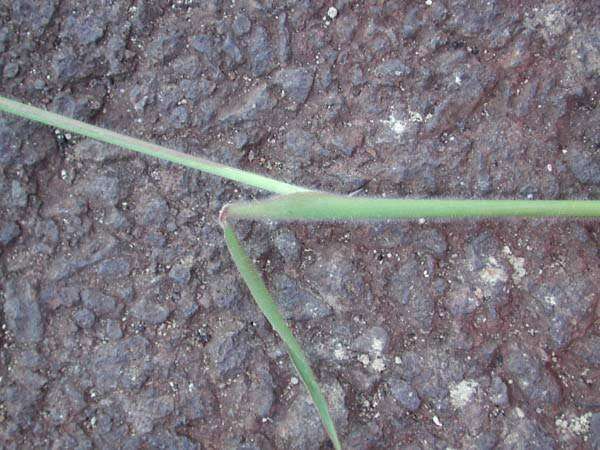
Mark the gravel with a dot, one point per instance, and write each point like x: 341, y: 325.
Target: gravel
x: 84, y: 318
x: 537, y: 385
x: 260, y: 52
x: 100, y: 303
x: 295, y: 83
x: 404, y: 394
x: 9, y: 231
x: 241, y: 24
x: 149, y: 311
x: 22, y: 313
x: 298, y: 303
x: 301, y: 144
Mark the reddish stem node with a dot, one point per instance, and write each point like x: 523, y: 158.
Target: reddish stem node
x: 223, y: 215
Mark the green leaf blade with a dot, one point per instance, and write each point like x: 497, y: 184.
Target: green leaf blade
x: 268, y: 307
x: 146, y: 148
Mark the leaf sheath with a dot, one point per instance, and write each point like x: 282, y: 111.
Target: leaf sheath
x: 315, y: 206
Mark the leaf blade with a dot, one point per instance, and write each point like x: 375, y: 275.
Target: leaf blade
x: 146, y: 148
x: 268, y: 307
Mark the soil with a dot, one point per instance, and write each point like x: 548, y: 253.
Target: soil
x: 124, y: 322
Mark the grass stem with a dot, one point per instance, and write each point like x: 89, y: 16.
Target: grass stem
x: 314, y: 206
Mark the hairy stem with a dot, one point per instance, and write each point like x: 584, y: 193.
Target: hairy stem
x: 313, y: 206
x: 147, y: 148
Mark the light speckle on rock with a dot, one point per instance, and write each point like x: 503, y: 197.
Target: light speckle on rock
x: 493, y: 273
x: 415, y: 116
x: 519, y: 412
x: 340, y: 353
x: 364, y: 359
x: 579, y: 425
x: 396, y: 125
x: 332, y: 12
x: 517, y: 263
x: 377, y: 345
x: 378, y: 364
x: 550, y: 300
x: 462, y: 393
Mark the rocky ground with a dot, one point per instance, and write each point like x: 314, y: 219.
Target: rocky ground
x: 124, y: 323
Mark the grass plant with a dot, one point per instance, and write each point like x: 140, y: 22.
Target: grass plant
x: 294, y: 202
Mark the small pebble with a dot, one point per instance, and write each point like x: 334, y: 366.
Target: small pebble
x: 332, y: 12
x: 10, y: 70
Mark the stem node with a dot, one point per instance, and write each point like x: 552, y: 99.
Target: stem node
x: 223, y: 215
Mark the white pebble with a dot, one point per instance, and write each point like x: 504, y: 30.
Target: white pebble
x: 332, y: 12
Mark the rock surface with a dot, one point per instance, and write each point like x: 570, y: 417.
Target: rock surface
x: 124, y: 323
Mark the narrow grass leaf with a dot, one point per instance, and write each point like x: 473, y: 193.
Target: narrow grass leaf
x: 147, y: 148
x: 315, y: 206
x: 268, y: 307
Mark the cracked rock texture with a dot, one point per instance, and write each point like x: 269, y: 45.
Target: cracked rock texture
x: 124, y: 323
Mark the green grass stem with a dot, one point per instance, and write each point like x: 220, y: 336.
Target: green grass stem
x: 268, y: 307
x: 313, y: 206
x: 147, y: 148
